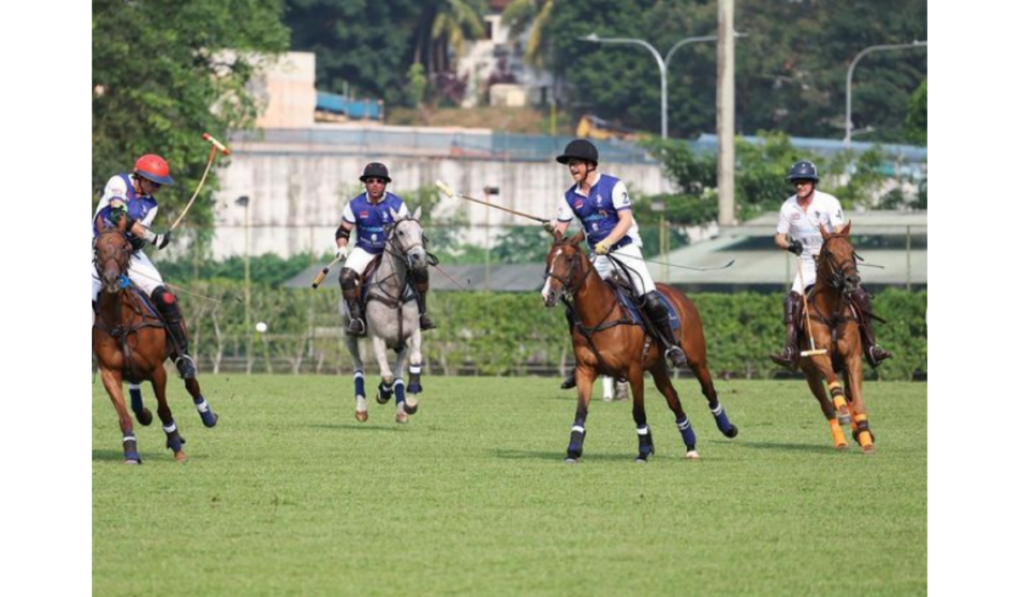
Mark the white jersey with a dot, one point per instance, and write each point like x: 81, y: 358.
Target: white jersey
x: 117, y: 188
x: 824, y: 210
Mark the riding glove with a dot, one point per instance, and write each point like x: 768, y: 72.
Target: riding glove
x: 795, y: 247
x: 342, y: 252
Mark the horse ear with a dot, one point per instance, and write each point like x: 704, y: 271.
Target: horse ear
x: 824, y: 233
x: 577, y: 238
x: 845, y: 231
x: 558, y: 235
x: 416, y: 214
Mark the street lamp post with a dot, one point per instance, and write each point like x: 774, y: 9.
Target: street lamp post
x: 849, y: 78
x: 662, y: 64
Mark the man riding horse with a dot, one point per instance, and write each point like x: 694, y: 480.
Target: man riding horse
x: 370, y: 214
x: 129, y: 198
x: 799, y: 218
x: 602, y: 204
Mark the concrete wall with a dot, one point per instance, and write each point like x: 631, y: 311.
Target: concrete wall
x: 296, y: 197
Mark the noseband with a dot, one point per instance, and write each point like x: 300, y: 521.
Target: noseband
x: 567, y: 279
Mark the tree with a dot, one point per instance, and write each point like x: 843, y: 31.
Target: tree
x: 166, y: 71
x: 917, y: 115
x: 533, y: 16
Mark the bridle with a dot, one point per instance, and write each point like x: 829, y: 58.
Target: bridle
x: 566, y: 280
x: 838, y: 269
x: 124, y: 251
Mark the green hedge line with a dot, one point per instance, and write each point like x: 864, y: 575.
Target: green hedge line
x: 505, y: 333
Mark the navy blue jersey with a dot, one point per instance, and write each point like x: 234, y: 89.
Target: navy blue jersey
x: 370, y: 220
x: 596, y: 210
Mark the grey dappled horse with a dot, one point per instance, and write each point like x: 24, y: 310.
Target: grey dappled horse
x: 392, y: 319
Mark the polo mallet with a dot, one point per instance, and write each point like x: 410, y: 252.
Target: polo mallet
x: 323, y: 273
x: 807, y: 313
x: 447, y: 190
x: 215, y: 147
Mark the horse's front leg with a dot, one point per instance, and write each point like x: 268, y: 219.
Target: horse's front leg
x: 112, y: 383
x: 584, y: 383
x: 415, y: 370
x: 643, y: 431
x: 142, y: 414
x: 163, y: 410
x: 815, y: 381
x: 401, y: 408
x: 386, y: 388
x: 663, y: 382
x: 362, y: 413
x: 854, y: 380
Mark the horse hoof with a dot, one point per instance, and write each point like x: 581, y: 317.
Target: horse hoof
x: 411, y: 406
x: 692, y: 455
x: 180, y: 456
x: 732, y: 432
x: 640, y: 460
x: 144, y: 417
x: 842, y: 447
x: 362, y: 415
x: 570, y: 460
x: 868, y: 449
x: 401, y: 417
x: 209, y: 418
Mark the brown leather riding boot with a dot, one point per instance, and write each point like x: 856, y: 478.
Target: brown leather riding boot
x: 790, y: 356
x: 874, y: 353
x: 350, y: 292
x: 421, y: 303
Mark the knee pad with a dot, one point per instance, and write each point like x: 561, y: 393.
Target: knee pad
x: 349, y: 279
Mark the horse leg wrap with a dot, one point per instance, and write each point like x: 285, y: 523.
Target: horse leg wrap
x: 722, y: 420
x: 174, y: 439
x: 131, y: 450
x: 360, y: 383
x: 384, y: 393
x: 415, y: 370
x: 399, y: 391
x: 862, y: 431
x: 838, y: 438
x: 839, y: 401
x: 686, y: 430
x: 205, y: 412
x: 135, y: 391
x: 646, y: 438
x: 576, y: 441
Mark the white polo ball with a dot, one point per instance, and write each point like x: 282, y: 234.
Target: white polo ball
x: 261, y: 327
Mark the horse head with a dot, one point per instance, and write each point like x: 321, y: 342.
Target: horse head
x: 405, y: 237
x: 565, y: 271
x: 111, y: 257
x: 837, y: 261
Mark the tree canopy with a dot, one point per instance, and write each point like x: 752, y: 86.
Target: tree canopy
x: 166, y: 71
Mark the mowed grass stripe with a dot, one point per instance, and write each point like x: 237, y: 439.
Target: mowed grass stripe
x: 289, y: 495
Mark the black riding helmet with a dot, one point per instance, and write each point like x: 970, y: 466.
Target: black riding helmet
x: 375, y: 170
x: 803, y: 170
x: 578, y: 149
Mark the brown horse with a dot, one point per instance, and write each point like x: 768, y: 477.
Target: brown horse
x: 130, y: 343
x: 607, y: 341
x: 834, y: 324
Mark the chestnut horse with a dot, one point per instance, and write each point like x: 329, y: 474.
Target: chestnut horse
x: 834, y: 325
x: 130, y: 343
x: 607, y: 341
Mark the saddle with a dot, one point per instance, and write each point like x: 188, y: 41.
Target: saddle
x: 627, y: 298
x: 408, y: 294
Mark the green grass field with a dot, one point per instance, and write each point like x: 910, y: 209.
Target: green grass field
x: 289, y: 495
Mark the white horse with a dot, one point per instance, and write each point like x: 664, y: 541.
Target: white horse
x: 392, y: 319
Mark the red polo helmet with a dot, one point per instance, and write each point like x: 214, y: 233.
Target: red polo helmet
x: 153, y: 167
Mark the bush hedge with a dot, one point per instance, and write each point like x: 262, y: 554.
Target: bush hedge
x: 509, y: 333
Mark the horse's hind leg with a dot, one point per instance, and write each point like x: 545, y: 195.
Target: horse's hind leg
x: 112, y: 383
x: 816, y: 381
x: 664, y: 384
x: 205, y: 412
x: 142, y: 414
x: 163, y: 410
x: 707, y: 387
x: 643, y: 431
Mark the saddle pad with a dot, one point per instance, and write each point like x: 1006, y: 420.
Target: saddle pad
x: 634, y: 311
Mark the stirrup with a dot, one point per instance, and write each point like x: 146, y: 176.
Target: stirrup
x: 789, y: 358
x: 677, y: 356
x: 356, y: 328
x: 186, y: 366
x: 425, y: 323
x: 875, y: 361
